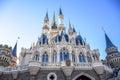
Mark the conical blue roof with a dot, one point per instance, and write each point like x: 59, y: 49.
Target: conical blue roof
x: 60, y: 12
x: 14, y: 52
x: 74, y: 29
x: 44, y: 39
x: 46, y: 17
x: 108, y: 42
x: 79, y: 40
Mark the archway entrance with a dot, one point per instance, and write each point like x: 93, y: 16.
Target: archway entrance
x: 83, y: 78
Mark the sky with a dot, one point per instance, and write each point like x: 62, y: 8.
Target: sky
x: 24, y: 19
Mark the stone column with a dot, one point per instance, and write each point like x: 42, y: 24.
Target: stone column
x: 50, y: 58
x: 40, y: 58
x: 92, y: 58
x: 70, y: 56
x: 86, y: 57
x: 62, y: 56
x: 58, y: 57
x: 77, y: 56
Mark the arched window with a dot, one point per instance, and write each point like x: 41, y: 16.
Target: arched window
x: 81, y: 58
x: 45, y: 57
x: 64, y: 55
x: 54, y: 57
x: 36, y: 57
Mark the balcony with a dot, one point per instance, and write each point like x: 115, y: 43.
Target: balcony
x: 35, y: 64
x: 11, y: 69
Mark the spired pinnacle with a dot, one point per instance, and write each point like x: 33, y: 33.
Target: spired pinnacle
x: 46, y: 19
x: 109, y: 44
x: 60, y: 12
x: 53, y: 25
x: 70, y: 25
x: 53, y: 20
x: 74, y: 29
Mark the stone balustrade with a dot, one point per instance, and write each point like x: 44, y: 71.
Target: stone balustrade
x: 10, y: 69
x: 48, y: 65
x: 83, y: 65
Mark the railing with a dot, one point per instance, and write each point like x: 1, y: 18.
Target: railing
x: 83, y: 65
x: 10, y: 69
x: 45, y: 65
x: 50, y: 65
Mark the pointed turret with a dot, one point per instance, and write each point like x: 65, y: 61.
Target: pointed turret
x: 14, y: 52
x: 74, y: 30
x: 60, y: 17
x: 60, y: 12
x: 109, y: 44
x: 53, y: 25
x: 70, y: 27
x: 46, y: 24
x: 70, y: 30
x: 46, y: 19
x: 14, y: 55
x: 110, y: 47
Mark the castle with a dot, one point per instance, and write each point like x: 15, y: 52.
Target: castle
x: 59, y: 55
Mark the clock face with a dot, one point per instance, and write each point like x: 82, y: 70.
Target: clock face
x: 68, y: 62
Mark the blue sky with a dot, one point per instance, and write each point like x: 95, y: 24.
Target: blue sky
x: 24, y: 18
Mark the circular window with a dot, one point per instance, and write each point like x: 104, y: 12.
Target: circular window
x: 52, y: 76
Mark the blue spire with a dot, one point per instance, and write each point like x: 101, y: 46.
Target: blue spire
x: 46, y: 17
x: 54, y: 22
x: 108, y: 42
x: 60, y: 13
x: 14, y: 52
x: 47, y: 14
x: 74, y: 29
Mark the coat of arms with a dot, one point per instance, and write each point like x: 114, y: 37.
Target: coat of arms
x: 68, y: 62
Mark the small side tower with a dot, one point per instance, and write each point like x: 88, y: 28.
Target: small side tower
x: 113, y: 55
x: 60, y: 17
x: 70, y: 30
x: 60, y: 21
x: 5, y: 55
x: 14, y: 56
x: 45, y: 28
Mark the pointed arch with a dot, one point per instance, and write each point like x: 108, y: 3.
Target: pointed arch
x: 83, y: 74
